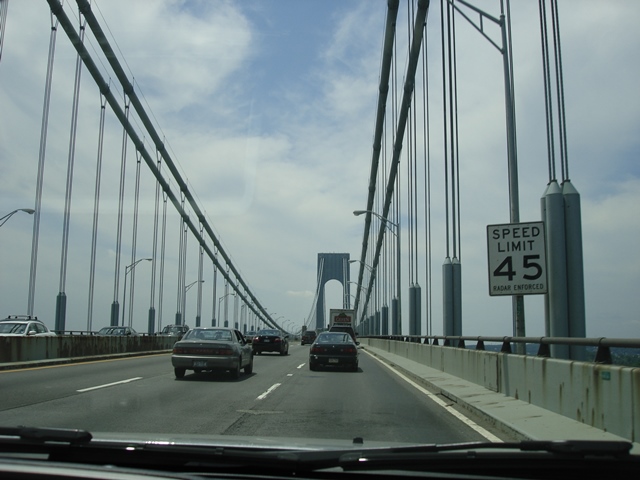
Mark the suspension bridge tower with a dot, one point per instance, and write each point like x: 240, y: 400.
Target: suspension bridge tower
x: 331, y: 266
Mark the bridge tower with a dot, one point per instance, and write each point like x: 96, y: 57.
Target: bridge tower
x: 331, y: 266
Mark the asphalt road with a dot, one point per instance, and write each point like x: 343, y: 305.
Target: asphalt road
x: 281, y: 398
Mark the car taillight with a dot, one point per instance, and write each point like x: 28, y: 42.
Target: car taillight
x: 277, y: 339
x: 349, y: 350
x: 178, y: 350
x: 317, y: 349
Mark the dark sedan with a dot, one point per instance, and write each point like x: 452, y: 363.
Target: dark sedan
x: 212, y: 348
x: 271, y: 340
x: 333, y: 349
x: 308, y: 336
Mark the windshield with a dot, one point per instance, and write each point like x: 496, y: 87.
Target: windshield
x: 464, y: 210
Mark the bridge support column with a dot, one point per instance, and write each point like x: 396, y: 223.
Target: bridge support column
x: 115, y: 314
x: 151, y: 320
x: 384, y: 320
x: 61, y: 311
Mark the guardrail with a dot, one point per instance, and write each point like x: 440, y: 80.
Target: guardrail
x: 601, y: 345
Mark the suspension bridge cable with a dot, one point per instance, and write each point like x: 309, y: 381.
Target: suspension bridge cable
x: 96, y: 210
x: 383, y: 90
x: 416, y: 44
x: 41, y: 161
x: 134, y: 238
x: 564, y: 160
x: 4, y: 8
x: 547, y: 85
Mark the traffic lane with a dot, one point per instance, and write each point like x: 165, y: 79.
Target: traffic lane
x: 200, y: 403
x: 25, y: 386
x: 372, y: 403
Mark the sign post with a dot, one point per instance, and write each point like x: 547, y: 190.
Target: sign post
x: 517, y: 259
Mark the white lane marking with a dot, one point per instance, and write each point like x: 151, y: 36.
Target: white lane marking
x: 289, y: 374
x: 271, y: 389
x: 300, y: 366
x: 109, y: 384
x: 467, y: 421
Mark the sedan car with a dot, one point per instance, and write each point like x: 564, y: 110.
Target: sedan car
x: 23, y: 325
x: 117, y: 331
x: 175, y: 330
x: 250, y: 335
x: 333, y: 349
x: 308, y: 336
x: 212, y: 348
x: 271, y: 340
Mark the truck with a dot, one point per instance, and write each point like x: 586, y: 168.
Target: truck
x: 343, y: 320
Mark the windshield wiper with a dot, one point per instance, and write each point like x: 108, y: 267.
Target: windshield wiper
x: 36, y: 434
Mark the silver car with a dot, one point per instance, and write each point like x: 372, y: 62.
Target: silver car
x: 23, y: 325
x: 212, y: 348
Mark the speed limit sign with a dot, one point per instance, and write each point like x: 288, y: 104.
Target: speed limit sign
x: 517, y: 259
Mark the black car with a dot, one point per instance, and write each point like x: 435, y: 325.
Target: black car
x: 270, y: 340
x: 345, y: 329
x: 334, y: 349
x: 308, y: 336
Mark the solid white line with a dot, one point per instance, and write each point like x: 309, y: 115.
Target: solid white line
x: 467, y: 421
x: 300, y: 366
x: 109, y: 384
x: 271, y: 389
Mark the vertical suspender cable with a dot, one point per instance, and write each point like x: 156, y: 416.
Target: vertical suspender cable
x: 61, y: 301
x: 163, y: 243
x: 564, y: 161
x: 123, y: 165
x: 41, y: 159
x: 214, y: 291
x: 154, y: 250
x: 96, y: 208
x: 180, y: 283
x: 134, y: 237
x: 200, y: 280
x: 4, y: 7
x: 547, y: 94
x: 427, y: 181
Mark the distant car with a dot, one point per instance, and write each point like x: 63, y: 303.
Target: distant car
x: 117, y: 331
x: 333, y: 349
x: 175, y: 330
x: 345, y: 329
x: 250, y: 335
x: 271, y: 340
x: 24, y: 325
x: 212, y: 348
x: 308, y: 336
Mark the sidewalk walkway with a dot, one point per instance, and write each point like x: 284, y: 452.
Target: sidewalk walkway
x: 514, y: 417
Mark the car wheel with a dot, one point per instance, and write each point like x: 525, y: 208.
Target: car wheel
x: 235, y: 373
x: 249, y: 368
x: 179, y: 372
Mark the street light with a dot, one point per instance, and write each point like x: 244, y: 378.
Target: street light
x: 184, y: 306
x: 387, y: 222
x: 4, y: 219
x: 127, y: 269
x: 364, y: 264
x: 220, y: 300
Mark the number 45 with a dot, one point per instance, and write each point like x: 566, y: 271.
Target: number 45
x: 505, y: 269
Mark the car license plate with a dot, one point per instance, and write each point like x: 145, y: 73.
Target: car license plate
x: 266, y: 340
x: 333, y: 360
x: 199, y: 363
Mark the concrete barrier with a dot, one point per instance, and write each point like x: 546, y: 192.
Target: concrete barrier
x: 606, y: 397
x: 27, y: 349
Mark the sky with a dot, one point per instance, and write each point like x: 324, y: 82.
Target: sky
x: 268, y: 107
